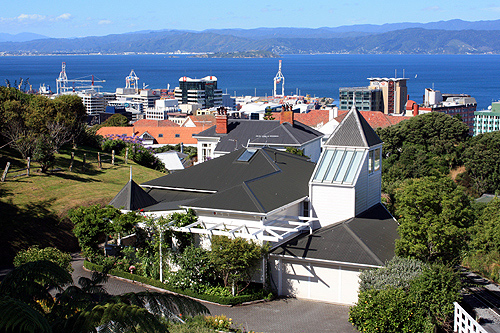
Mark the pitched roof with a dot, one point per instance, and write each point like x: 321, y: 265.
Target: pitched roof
x: 242, y: 132
x: 132, y: 197
x: 353, y: 131
x: 313, y: 118
x: 376, y: 119
x: 155, y: 123
x: 206, y: 120
x: 368, y: 239
x: 268, y: 180
x: 162, y: 135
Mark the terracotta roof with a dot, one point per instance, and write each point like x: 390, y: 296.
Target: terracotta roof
x: 314, y: 118
x: 206, y: 120
x: 376, y: 119
x: 155, y: 123
x: 169, y: 135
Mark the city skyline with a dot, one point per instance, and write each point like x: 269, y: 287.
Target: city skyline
x: 60, y: 19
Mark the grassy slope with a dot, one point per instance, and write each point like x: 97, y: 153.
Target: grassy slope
x: 33, y: 209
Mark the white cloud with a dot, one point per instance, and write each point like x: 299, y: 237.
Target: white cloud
x: 104, y: 22
x: 63, y: 17
x: 32, y: 17
x: 433, y: 9
x: 492, y: 9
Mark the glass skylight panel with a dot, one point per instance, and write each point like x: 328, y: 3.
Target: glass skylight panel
x: 346, y: 162
x: 335, y: 166
x: 339, y: 166
x: 247, y: 155
x: 351, y: 173
x: 323, y: 166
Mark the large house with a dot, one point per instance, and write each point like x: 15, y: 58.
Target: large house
x: 229, y: 135
x: 324, y: 221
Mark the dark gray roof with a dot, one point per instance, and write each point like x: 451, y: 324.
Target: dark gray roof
x: 269, y: 180
x: 353, y: 131
x: 368, y: 238
x: 132, y: 197
x: 241, y: 132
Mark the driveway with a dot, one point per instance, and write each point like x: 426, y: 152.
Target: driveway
x: 278, y: 316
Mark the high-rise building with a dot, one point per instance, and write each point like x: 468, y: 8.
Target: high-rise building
x: 201, y: 91
x: 487, y: 120
x: 383, y: 94
x: 394, y: 93
x: 367, y: 98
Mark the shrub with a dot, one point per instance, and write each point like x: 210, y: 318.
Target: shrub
x: 34, y: 253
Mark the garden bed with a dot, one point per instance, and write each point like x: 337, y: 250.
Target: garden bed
x: 222, y: 300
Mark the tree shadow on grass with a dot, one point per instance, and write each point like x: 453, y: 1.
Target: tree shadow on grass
x: 34, y: 224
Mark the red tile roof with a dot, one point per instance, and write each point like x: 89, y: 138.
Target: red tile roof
x: 313, y: 118
x: 155, y: 123
x: 169, y: 135
x: 376, y: 119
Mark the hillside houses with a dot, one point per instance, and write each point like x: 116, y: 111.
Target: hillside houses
x: 324, y: 220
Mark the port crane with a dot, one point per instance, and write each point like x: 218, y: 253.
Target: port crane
x: 63, y: 85
x: 279, y: 78
x: 132, y: 81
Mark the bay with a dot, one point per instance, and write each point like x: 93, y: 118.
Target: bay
x: 316, y: 75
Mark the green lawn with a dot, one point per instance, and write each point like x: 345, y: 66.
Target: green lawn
x: 33, y: 209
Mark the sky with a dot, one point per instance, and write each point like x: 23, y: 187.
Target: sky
x: 66, y: 19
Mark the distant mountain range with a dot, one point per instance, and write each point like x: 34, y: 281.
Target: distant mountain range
x: 22, y: 37
x: 444, y: 37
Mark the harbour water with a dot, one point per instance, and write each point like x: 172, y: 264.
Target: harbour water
x: 317, y: 75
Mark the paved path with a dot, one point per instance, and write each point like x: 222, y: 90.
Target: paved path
x: 279, y: 316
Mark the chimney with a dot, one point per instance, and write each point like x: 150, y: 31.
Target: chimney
x: 415, y: 109
x: 286, y: 114
x: 333, y: 113
x: 221, y: 124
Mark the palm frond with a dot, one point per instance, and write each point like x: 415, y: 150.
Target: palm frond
x: 17, y: 316
x: 118, y: 317
x: 166, y: 304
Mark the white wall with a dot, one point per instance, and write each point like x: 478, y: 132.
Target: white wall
x: 313, y: 150
x: 332, y: 203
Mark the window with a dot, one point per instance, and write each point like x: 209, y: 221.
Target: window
x: 247, y: 155
x: 177, y: 135
x: 160, y: 135
x: 374, y: 161
x: 339, y: 166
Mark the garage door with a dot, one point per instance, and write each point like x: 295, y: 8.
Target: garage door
x: 329, y: 283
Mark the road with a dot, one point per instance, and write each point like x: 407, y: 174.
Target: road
x: 278, y: 316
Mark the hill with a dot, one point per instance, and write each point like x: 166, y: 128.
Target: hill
x: 278, y: 40
x: 34, y: 208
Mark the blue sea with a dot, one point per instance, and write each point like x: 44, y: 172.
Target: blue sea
x: 316, y: 75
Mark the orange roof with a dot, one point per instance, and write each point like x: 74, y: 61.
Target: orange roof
x: 313, y: 118
x: 376, y: 119
x: 155, y: 123
x: 207, y: 120
x: 163, y: 135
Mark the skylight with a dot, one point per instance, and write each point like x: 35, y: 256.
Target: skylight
x: 339, y: 166
x: 247, y: 155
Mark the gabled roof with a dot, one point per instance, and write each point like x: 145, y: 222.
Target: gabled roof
x: 313, y: 118
x: 132, y: 197
x: 242, y: 132
x: 268, y: 180
x: 202, y: 121
x: 155, y: 123
x: 353, y: 131
x: 163, y: 135
x: 376, y: 119
x: 367, y: 239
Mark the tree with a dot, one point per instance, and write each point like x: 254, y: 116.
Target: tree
x: 34, y: 253
x: 486, y: 231
x: 116, y: 120
x: 268, y: 115
x: 422, y: 302
x: 27, y: 306
x: 235, y: 259
x: 425, y: 145
x: 480, y: 157
x: 296, y: 151
x: 92, y: 224
x: 434, y: 216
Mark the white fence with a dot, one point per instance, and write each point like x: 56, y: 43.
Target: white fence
x: 464, y: 323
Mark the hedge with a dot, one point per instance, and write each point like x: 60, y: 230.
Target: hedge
x: 231, y: 300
